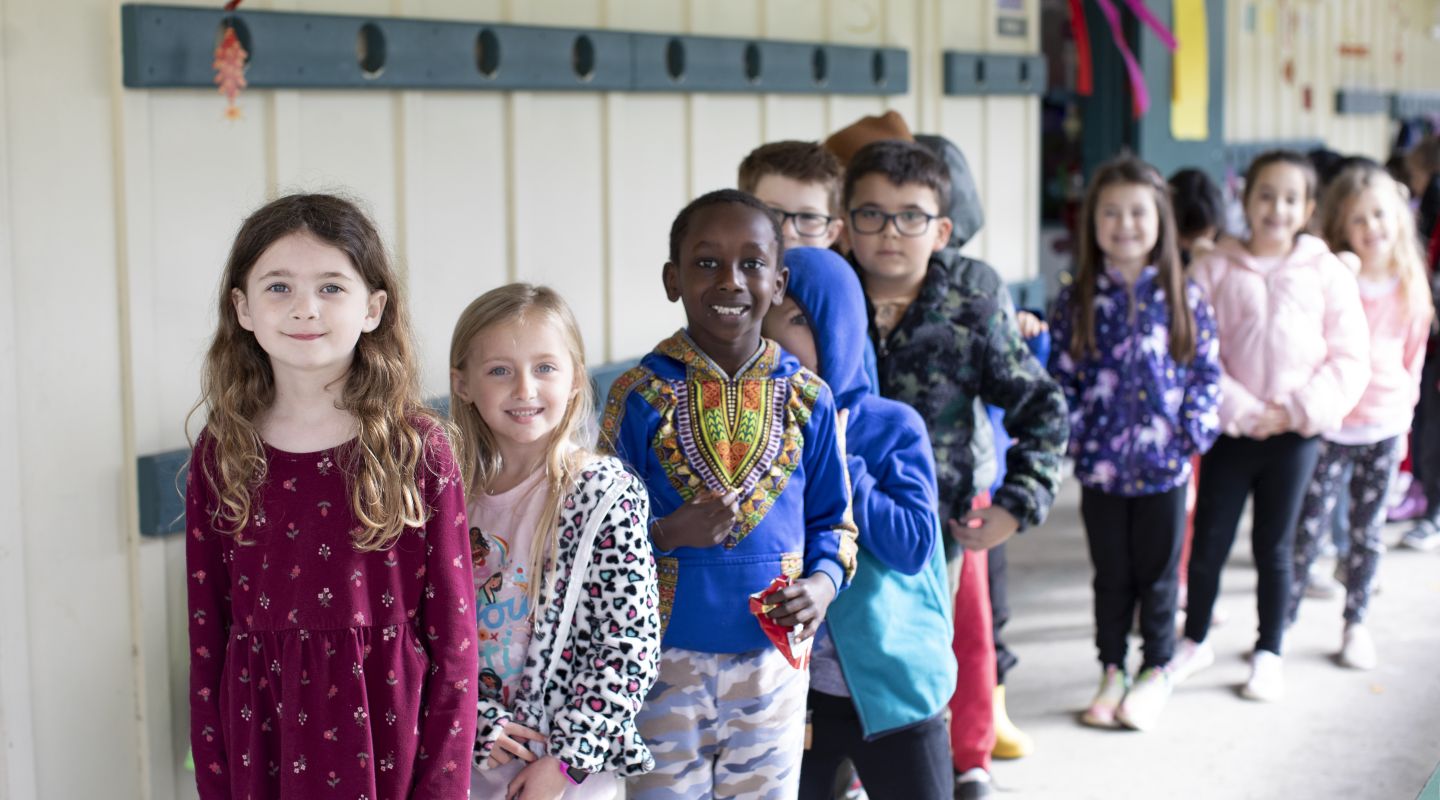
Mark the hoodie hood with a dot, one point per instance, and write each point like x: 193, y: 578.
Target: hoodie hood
x: 1307, y: 248
x: 827, y: 289
x: 965, y: 209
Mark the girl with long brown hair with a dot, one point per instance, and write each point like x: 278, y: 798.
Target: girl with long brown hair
x: 330, y: 583
x: 1134, y: 350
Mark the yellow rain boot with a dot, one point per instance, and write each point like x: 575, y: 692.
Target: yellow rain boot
x: 1010, y: 741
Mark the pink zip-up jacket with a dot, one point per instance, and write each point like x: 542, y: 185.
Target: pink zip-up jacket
x: 1293, y: 334
x: 1397, y: 352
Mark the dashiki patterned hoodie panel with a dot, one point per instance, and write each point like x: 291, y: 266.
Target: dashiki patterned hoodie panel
x: 768, y: 432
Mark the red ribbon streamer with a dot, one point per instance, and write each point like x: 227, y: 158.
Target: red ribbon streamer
x: 1085, y: 69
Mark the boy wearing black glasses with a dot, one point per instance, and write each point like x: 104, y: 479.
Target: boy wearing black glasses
x: 942, y: 343
x: 800, y: 182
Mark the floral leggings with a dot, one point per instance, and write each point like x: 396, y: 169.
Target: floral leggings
x: 1369, y: 487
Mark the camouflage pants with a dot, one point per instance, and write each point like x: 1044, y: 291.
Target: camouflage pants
x: 723, y: 725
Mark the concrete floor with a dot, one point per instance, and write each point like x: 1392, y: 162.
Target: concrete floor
x: 1338, y: 734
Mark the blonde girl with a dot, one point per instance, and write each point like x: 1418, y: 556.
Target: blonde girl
x: 1365, y: 217
x: 567, y: 599
x: 328, y: 569
x: 1294, y: 360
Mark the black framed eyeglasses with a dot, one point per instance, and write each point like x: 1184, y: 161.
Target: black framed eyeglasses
x: 806, y: 223
x: 907, y: 223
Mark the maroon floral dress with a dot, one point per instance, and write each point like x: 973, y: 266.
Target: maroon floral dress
x: 317, y: 671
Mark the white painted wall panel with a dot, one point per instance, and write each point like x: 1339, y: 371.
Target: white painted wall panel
x: 558, y: 227
x: 458, y: 214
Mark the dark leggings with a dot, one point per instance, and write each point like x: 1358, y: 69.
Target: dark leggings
x: 1374, y: 470
x: 1425, y: 432
x: 998, y: 567
x: 909, y: 763
x: 1134, y: 547
x: 1277, y: 470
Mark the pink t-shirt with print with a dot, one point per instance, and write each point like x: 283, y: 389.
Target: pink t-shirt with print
x: 502, y: 548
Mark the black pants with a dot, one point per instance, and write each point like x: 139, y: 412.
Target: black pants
x: 1425, y: 433
x: 1135, y: 549
x: 910, y: 763
x: 1278, y: 471
x: 997, y: 569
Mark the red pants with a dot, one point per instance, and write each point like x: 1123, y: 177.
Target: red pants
x: 1189, y: 524
x: 972, y: 712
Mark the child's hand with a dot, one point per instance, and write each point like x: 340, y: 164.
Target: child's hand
x: 511, y: 744
x: 983, y: 528
x: 1030, y: 325
x: 538, y: 781
x: 705, y: 521
x: 1274, y: 419
x: 804, y: 603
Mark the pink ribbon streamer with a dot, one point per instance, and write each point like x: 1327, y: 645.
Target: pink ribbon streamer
x: 1139, y: 9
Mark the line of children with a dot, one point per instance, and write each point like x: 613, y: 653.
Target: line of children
x: 1365, y: 218
x: 567, y: 601
x: 745, y: 470
x: 806, y: 171
x: 1135, y: 352
x: 1294, y: 361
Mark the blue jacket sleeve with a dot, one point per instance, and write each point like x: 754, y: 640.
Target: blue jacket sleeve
x: 1200, y: 409
x: 894, y: 501
x: 625, y: 429
x: 1035, y: 416
x: 829, y: 529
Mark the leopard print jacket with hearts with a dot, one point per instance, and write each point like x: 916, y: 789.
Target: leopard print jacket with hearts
x: 611, y: 654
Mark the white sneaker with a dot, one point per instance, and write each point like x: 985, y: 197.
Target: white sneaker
x: 1101, y: 713
x: 972, y: 784
x: 1141, y: 708
x: 1190, y: 658
x: 1321, y: 586
x: 1267, y: 678
x: 1358, y: 650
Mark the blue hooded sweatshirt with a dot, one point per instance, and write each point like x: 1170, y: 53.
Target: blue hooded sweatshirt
x: 684, y: 426
x: 891, y: 629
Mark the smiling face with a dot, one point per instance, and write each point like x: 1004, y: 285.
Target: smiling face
x: 790, y: 328
x: 727, y: 277
x: 307, y: 306
x: 1371, y: 228
x: 520, y: 377
x: 887, y: 254
x: 1127, y: 225
x: 1277, y: 208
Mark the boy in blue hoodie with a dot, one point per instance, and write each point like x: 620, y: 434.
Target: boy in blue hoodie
x: 882, y: 668
x: 737, y: 445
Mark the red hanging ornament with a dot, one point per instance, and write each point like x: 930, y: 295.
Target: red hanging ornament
x: 229, y: 65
